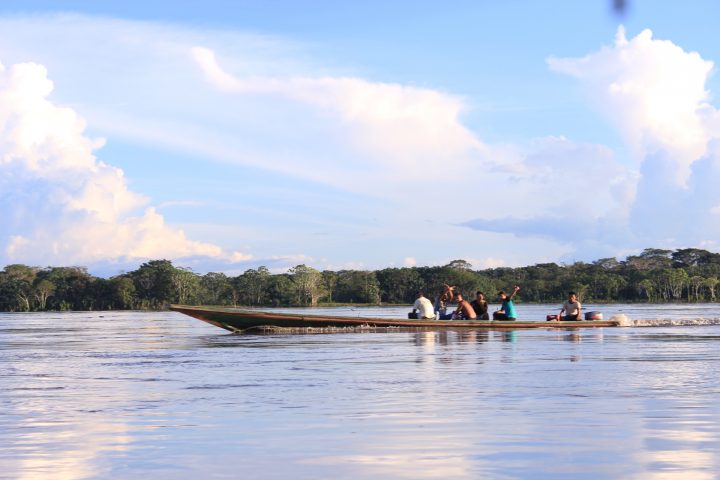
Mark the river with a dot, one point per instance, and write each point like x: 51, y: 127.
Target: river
x: 158, y: 394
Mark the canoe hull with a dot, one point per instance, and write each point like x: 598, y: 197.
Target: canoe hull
x: 236, y: 320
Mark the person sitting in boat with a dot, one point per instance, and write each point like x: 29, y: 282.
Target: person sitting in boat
x: 442, y: 300
x: 480, y: 306
x: 464, y: 310
x: 571, y: 308
x: 507, y: 309
x: 423, y: 306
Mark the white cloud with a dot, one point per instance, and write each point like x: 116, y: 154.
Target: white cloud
x: 409, y: 262
x: 138, y: 83
x: 148, y: 82
x: 256, y: 103
x: 62, y: 205
x: 399, y: 126
x: 653, y: 91
x: 488, y: 262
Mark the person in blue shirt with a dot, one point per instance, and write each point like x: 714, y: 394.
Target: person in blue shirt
x: 507, y: 309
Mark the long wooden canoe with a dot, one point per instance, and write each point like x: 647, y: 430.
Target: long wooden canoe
x: 237, y: 320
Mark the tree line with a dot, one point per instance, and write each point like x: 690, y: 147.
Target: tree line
x: 655, y: 275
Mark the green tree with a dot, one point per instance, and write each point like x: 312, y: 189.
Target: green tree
x: 648, y: 288
x: 154, y: 283
x: 399, y: 285
x: 72, y: 288
x: 711, y: 283
x: 124, y: 292
x: 670, y: 282
x: 358, y: 287
x: 280, y: 290
x: 329, y: 284
x: 308, y: 284
x: 690, y: 257
x: 42, y: 290
x: 651, y: 259
x: 459, y: 265
x: 186, y: 286
x: 695, y: 285
x: 16, y: 287
x: 216, y: 287
x: 256, y: 282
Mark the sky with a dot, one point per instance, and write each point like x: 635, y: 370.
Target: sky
x: 355, y: 135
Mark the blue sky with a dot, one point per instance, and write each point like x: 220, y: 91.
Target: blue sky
x: 225, y: 136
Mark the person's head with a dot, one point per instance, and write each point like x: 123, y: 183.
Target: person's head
x: 480, y: 296
x: 572, y: 296
x: 419, y: 294
x: 502, y: 295
x: 459, y: 297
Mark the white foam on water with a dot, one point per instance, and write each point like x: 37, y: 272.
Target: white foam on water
x: 670, y: 322
x: 622, y: 320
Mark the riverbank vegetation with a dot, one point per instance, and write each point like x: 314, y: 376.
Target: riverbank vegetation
x: 655, y: 275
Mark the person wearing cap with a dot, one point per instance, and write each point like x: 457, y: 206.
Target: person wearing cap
x: 423, y: 306
x: 507, y: 309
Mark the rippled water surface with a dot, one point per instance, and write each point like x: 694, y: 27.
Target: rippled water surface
x: 130, y: 394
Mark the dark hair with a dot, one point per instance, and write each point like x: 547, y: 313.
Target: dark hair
x: 572, y: 293
x: 479, y: 293
x: 419, y: 293
x: 501, y: 292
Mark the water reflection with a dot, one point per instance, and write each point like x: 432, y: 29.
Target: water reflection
x: 54, y: 429
x: 510, y: 336
x: 475, y: 336
x: 167, y: 396
x: 64, y: 449
x: 680, y: 439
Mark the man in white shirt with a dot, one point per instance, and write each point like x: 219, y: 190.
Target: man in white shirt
x: 571, y: 308
x: 424, y: 307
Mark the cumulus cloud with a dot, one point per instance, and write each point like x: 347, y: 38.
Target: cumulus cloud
x: 260, y: 106
x: 59, y: 203
x: 654, y: 93
x: 374, y: 145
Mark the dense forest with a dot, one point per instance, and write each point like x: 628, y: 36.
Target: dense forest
x: 655, y: 275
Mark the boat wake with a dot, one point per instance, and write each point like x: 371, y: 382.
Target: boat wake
x: 672, y: 322
x: 625, y: 321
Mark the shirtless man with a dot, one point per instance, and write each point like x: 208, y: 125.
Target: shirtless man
x: 464, y: 310
x: 571, y: 308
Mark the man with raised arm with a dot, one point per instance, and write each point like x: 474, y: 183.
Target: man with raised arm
x: 507, y: 309
x: 442, y: 300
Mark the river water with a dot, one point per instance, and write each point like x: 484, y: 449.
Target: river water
x: 133, y: 394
